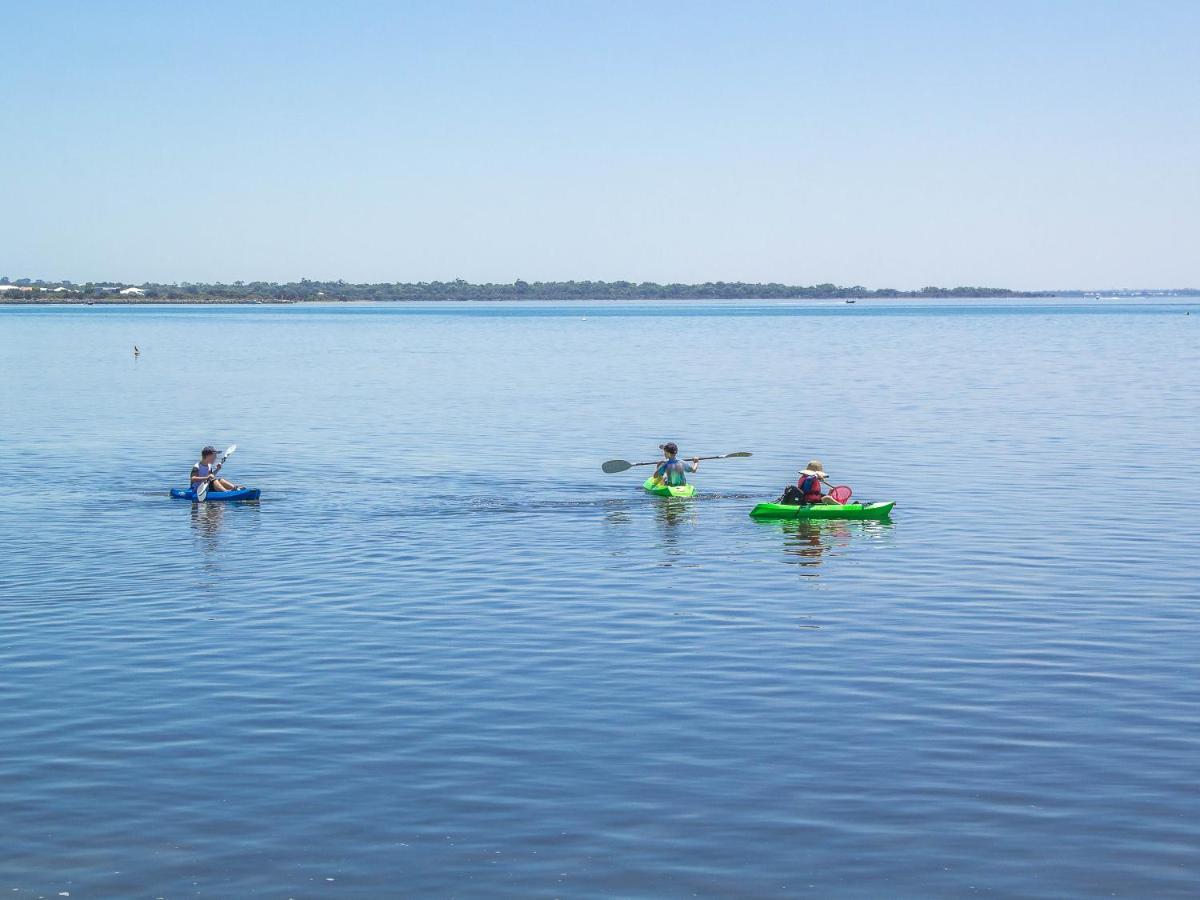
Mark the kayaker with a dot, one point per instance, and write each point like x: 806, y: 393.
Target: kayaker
x: 203, y: 471
x: 807, y: 489
x: 672, y: 470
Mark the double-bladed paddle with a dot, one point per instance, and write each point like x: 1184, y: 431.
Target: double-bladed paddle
x: 620, y: 465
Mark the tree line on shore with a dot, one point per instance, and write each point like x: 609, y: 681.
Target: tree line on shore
x: 269, y: 291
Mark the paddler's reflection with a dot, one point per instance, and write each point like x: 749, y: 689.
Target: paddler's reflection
x: 670, y: 513
x: 808, y: 541
x: 206, y: 520
x: 673, y: 512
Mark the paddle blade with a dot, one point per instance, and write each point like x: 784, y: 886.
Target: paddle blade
x: 738, y: 454
x: 616, y: 465
x: 841, y: 493
x: 201, y: 491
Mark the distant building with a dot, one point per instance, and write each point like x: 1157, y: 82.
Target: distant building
x: 9, y: 287
x: 132, y: 292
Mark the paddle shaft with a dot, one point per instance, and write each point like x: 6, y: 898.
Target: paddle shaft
x: 659, y: 462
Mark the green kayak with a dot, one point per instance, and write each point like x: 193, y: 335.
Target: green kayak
x: 663, y: 490
x: 823, y: 511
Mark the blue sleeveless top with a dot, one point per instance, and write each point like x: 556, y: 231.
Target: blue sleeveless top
x: 672, y: 472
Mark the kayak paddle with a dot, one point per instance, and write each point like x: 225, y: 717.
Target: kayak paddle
x: 620, y: 465
x: 202, y: 486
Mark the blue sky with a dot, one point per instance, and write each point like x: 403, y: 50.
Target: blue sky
x: 890, y: 144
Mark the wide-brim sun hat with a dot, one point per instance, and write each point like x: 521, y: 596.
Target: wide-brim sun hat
x: 814, y: 467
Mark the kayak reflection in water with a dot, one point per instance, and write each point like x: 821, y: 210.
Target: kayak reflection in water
x: 805, y: 540
x: 206, y: 519
x: 672, y: 471
x: 203, y: 471
x: 808, y: 489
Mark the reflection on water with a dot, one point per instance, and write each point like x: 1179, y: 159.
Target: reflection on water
x: 209, y: 518
x: 806, y: 543
x: 669, y: 514
x: 206, y: 520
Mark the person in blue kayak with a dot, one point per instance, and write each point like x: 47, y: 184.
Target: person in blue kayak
x: 672, y: 470
x: 204, y: 471
x: 807, y: 490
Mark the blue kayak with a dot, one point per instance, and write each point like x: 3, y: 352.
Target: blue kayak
x: 243, y: 494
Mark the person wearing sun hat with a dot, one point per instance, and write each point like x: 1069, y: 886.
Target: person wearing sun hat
x: 672, y: 470
x: 808, y: 489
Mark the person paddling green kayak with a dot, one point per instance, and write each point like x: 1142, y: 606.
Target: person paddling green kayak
x: 672, y: 471
x: 806, y: 500
x: 670, y: 474
x: 807, y: 490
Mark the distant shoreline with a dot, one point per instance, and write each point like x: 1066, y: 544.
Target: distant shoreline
x: 226, y: 301
x: 27, y: 290
x: 30, y: 292
x: 217, y: 301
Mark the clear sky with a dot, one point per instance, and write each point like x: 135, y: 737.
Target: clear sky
x: 890, y: 144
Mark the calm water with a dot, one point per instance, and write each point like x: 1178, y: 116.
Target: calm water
x: 447, y: 656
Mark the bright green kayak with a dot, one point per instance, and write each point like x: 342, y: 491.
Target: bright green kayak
x: 823, y: 511
x: 662, y: 490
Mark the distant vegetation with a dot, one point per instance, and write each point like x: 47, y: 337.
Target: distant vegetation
x: 268, y: 291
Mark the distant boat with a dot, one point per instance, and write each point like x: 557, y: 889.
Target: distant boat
x: 91, y: 303
x: 851, y: 301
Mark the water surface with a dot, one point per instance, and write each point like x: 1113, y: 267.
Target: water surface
x: 446, y: 656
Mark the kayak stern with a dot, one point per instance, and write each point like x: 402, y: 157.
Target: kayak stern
x: 663, y: 490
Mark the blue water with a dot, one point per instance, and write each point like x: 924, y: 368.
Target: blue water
x: 446, y: 656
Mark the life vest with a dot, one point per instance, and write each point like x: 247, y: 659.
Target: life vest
x: 810, y: 487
